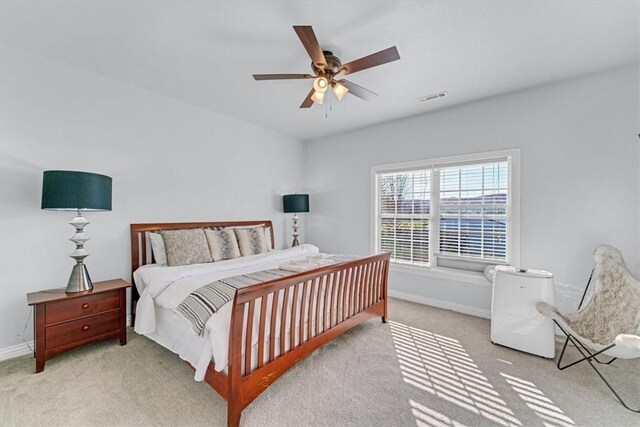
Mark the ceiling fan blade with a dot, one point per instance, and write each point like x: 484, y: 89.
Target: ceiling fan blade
x: 282, y: 76
x: 388, y: 55
x: 359, y: 91
x: 308, y: 102
x: 310, y: 42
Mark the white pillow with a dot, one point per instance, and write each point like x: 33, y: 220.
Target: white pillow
x: 157, y: 247
x: 267, y: 237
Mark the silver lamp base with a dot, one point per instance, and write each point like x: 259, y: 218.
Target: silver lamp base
x: 79, y: 280
x: 295, y: 227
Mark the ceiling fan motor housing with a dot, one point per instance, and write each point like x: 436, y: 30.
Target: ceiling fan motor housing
x: 332, y: 67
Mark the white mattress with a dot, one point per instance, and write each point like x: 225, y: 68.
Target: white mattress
x: 164, y: 288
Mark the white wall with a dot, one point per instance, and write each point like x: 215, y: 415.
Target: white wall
x: 169, y: 162
x: 580, y: 177
x: 174, y: 162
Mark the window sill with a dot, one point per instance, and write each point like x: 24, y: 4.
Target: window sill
x: 442, y: 273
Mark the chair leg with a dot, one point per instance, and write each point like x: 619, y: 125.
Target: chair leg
x: 611, y: 387
x: 589, y: 357
x: 564, y: 347
x: 577, y: 344
x: 593, y: 356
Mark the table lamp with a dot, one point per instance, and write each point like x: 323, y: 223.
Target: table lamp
x: 77, y: 191
x: 295, y: 204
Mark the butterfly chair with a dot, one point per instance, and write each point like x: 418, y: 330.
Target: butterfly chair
x: 609, y: 322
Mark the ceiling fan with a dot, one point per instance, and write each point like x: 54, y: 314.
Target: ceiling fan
x: 328, y: 69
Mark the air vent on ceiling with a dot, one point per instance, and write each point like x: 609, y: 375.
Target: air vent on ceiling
x: 432, y: 97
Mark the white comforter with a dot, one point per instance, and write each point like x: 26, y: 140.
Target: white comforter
x: 169, y: 286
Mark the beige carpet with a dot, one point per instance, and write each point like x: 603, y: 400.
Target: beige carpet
x: 428, y: 367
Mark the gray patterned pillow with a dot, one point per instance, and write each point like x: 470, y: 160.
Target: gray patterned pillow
x: 267, y: 232
x: 222, y: 244
x: 187, y: 246
x: 251, y: 241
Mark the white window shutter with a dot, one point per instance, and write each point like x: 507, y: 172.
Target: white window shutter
x: 404, y: 214
x: 473, y: 211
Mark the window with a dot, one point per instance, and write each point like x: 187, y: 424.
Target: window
x: 451, y: 213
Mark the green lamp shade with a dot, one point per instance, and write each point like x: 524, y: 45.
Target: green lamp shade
x: 71, y: 190
x: 295, y: 203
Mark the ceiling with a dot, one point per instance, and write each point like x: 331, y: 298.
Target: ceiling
x: 204, y: 53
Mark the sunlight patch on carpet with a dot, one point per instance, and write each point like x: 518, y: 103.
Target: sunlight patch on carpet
x: 440, y: 366
x: 427, y: 417
x: 536, y: 400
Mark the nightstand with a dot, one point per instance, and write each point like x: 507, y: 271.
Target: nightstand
x: 66, y: 321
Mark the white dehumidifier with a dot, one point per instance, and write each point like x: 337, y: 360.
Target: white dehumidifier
x: 515, y: 322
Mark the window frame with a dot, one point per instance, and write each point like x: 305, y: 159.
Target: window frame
x: 512, y: 157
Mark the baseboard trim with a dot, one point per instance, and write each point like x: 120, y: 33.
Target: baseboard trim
x: 24, y: 348
x: 447, y: 305
x: 17, y: 350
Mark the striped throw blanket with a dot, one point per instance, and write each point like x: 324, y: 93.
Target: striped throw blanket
x: 204, y: 302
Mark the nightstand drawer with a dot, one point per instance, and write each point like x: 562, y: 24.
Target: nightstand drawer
x: 80, y: 329
x: 60, y: 311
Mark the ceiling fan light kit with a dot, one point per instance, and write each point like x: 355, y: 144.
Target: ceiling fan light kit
x: 320, y: 84
x: 328, y: 68
x: 339, y: 89
x: 317, y: 97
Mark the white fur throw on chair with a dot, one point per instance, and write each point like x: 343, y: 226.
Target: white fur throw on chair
x: 613, y: 309
x: 631, y: 341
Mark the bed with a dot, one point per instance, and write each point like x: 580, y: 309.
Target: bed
x: 255, y: 346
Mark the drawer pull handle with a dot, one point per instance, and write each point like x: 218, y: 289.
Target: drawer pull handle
x: 85, y: 328
x: 85, y: 305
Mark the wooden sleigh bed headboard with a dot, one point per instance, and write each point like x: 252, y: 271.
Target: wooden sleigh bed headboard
x: 332, y: 300
x: 139, y: 254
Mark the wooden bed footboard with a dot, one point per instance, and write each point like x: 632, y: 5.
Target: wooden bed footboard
x: 297, y: 314
x: 278, y: 323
